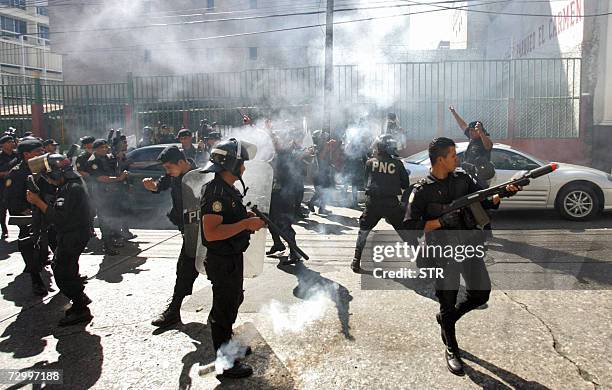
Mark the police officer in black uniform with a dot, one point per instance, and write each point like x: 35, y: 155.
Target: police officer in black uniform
x: 176, y: 165
x: 282, y: 202
x: 427, y: 199
x: 8, y: 159
x: 386, y: 177
x: 226, y: 227
x: 82, y: 160
x: 15, y: 187
x: 185, y: 138
x: 107, y: 181
x: 147, y: 137
x: 70, y: 215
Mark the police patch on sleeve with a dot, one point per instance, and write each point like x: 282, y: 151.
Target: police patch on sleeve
x: 217, y: 206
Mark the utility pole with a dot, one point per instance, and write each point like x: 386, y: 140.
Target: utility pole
x: 329, y: 66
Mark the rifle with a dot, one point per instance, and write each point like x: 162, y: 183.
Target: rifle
x: 271, y: 225
x: 472, y: 201
x: 275, y: 229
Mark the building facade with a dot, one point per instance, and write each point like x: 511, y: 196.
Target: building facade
x: 25, y: 51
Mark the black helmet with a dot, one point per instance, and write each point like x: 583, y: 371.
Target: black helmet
x: 385, y: 143
x: 52, y: 166
x: 229, y: 156
x: 319, y: 137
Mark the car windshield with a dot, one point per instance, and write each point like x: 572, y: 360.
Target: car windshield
x: 418, y: 157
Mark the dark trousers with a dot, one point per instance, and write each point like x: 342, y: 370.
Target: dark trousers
x: 3, y: 211
x: 66, y: 264
x: 282, y: 213
x: 478, y: 289
x: 376, y: 209
x: 32, y: 258
x: 186, y: 274
x: 226, y: 275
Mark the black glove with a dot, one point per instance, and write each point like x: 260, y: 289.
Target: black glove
x: 451, y: 220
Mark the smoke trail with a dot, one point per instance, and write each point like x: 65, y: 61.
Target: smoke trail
x: 233, y: 349
x: 296, y: 317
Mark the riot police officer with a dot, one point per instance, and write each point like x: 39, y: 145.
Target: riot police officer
x: 70, y: 215
x: 147, y: 137
x: 427, y: 198
x: 226, y: 227
x: 8, y: 159
x: 282, y: 202
x: 82, y: 160
x: 386, y: 178
x: 50, y: 145
x: 15, y: 187
x: 176, y: 165
x: 106, y: 183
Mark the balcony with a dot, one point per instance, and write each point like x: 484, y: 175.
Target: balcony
x: 29, y: 52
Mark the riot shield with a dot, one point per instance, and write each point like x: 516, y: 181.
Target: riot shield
x: 258, y: 178
x: 192, y: 186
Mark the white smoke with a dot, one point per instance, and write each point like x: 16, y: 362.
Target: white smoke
x: 234, y: 349
x: 296, y: 317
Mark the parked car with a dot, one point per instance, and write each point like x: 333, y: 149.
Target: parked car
x: 143, y: 163
x: 577, y: 192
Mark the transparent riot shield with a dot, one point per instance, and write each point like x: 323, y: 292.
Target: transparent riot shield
x: 192, y: 186
x: 258, y: 178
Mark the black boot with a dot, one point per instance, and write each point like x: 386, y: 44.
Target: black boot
x: 76, y: 315
x: 275, y: 249
x: 294, y: 258
x: 454, y: 362
x: 38, y: 286
x: 171, y: 315
x: 77, y: 304
x: 356, y: 264
x: 239, y: 370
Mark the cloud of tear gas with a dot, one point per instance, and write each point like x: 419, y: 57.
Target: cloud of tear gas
x: 296, y: 317
x: 233, y: 349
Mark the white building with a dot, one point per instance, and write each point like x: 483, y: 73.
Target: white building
x: 24, y: 43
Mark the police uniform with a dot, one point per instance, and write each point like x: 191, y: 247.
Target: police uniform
x: 425, y: 203
x: 71, y: 217
x: 106, y: 196
x: 7, y: 162
x: 282, y: 202
x: 224, y: 259
x: 186, y: 272
x: 15, y: 193
x: 385, y: 178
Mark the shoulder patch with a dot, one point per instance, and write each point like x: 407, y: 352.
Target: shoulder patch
x: 217, y: 206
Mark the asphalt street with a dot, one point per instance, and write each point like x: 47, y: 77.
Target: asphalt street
x: 318, y: 325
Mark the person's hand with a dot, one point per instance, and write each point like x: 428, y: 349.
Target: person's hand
x: 33, y: 198
x: 251, y: 214
x: 201, y: 145
x: 451, y: 108
x: 511, y: 190
x: 124, y: 175
x: 433, y: 224
x: 254, y: 224
x: 149, y: 184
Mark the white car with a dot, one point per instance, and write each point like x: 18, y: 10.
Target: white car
x: 576, y: 192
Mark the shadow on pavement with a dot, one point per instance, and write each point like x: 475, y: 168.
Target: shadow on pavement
x: 323, y: 228
x: 488, y: 382
x: 311, y: 282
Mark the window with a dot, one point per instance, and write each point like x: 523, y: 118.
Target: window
x: 43, y: 31
x: 253, y: 4
x: 147, y: 55
x: 10, y: 25
x: 252, y: 53
x: 14, y: 3
x: 210, y: 4
x: 42, y: 11
x: 508, y: 160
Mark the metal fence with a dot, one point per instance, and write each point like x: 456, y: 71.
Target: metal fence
x: 525, y: 98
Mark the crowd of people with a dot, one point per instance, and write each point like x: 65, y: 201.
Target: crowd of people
x: 55, y: 199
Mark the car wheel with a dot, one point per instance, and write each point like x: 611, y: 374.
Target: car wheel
x: 578, y: 203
